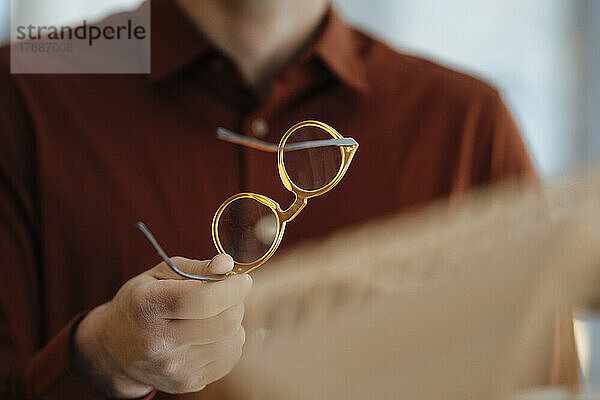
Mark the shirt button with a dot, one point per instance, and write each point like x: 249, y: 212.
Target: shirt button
x: 260, y: 127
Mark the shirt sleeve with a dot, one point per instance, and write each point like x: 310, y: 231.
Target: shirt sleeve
x: 506, y: 155
x: 31, y: 366
x: 509, y: 155
x: 491, y: 148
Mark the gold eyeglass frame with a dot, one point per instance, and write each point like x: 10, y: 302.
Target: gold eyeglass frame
x: 347, y: 146
x: 301, y: 195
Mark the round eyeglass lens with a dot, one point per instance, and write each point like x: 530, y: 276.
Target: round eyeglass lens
x: 311, y: 168
x: 247, y: 229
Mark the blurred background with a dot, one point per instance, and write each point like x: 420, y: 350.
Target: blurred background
x: 543, y: 56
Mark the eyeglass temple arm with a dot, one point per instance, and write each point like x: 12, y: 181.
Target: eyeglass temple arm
x: 168, y: 261
x: 257, y: 144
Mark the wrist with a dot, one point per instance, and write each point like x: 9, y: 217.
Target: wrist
x: 91, y: 361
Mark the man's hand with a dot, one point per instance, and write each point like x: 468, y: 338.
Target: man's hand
x: 164, y: 332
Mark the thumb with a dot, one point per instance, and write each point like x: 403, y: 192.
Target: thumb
x: 220, y: 264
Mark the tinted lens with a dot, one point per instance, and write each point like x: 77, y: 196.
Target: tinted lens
x: 247, y: 229
x: 311, y: 168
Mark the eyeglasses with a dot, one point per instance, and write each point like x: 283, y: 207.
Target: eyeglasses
x: 312, y: 158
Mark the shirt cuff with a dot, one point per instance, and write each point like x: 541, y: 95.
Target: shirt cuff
x: 49, y: 375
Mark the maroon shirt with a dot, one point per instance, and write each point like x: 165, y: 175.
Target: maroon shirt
x: 83, y: 157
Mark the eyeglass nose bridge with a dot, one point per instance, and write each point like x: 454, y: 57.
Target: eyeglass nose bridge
x: 293, y: 210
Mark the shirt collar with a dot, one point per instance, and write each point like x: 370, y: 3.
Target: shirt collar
x: 177, y: 42
x: 338, y: 47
